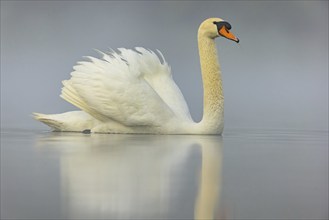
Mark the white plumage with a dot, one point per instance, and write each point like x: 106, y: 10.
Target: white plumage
x: 130, y: 91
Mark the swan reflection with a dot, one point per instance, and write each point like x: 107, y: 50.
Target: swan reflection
x: 137, y: 176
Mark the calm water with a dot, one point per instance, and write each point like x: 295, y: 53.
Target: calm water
x: 246, y: 174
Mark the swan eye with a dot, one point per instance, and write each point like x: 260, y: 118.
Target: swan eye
x: 220, y: 24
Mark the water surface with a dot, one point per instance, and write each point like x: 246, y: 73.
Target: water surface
x: 255, y: 174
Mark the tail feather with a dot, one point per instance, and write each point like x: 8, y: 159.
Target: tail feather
x: 49, y: 120
x: 69, y: 121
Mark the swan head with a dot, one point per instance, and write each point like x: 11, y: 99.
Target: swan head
x: 217, y: 27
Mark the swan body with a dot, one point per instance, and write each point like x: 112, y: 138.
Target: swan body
x: 132, y: 91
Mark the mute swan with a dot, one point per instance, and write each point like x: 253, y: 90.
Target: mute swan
x: 132, y: 91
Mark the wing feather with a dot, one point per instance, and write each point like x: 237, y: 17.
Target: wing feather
x: 132, y: 87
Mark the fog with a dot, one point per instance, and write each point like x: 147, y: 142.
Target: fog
x: 277, y: 77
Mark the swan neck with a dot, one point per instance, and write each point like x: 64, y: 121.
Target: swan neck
x: 213, y: 98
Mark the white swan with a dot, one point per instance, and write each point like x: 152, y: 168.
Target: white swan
x: 132, y: 91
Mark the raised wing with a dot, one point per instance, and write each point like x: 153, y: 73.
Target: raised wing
x: 159, y: 77
x: 130, y: 87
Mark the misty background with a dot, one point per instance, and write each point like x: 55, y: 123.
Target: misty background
x: 277, y: 77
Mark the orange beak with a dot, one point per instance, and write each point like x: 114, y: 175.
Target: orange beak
x: 227, y: 34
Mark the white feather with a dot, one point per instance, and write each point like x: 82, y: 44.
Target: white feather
x: 132, y: 91
x: 129, y: 87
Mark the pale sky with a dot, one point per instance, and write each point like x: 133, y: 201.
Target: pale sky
x: 277, y: 77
